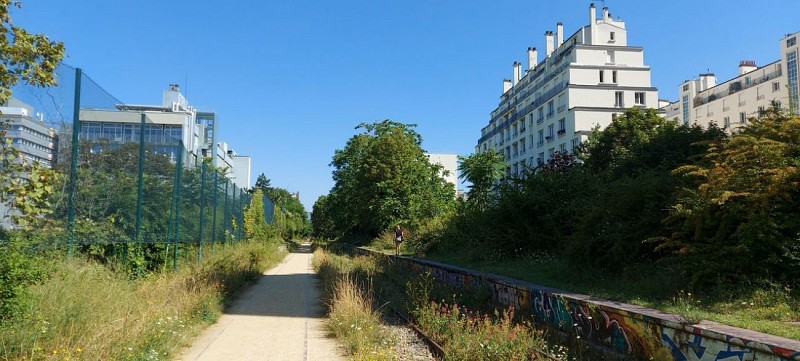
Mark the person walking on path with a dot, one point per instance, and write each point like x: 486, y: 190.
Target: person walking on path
x: 398, y: 239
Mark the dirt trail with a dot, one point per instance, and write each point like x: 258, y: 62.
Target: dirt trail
x: 278, y: 318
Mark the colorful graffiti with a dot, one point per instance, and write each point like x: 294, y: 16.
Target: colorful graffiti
x: 622, y: 330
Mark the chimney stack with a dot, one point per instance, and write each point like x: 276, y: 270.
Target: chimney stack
x: 606, y: 14
x: 533, y: 58
x: 506, y: 85
x: 559, y: 34
x: 548, y: 40
x: 746, y: 66
x: 592, y: 23
x: 517, y: 73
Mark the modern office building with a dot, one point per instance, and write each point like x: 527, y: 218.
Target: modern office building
x: 169, y: 127
x: 35, y: 141
x: 449, y: 163
x: 730, y: 104
x: 583, y: 81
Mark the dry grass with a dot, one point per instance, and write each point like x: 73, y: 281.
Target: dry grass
x: 352, y: 318
x: 87, y: 312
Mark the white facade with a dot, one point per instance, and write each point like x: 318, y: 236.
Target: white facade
x: 35, y: 141
x: 449, y: 163
x: 583, y: 81
x: 730, y: 104
x: 238, y: 165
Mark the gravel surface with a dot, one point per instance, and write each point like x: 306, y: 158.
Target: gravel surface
x: 409, y: 345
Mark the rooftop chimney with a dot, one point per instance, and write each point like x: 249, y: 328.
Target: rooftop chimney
x: 506, y: 85
x: 559, y: 34
x: 606, y: 14
x: 548, y: 40
x: 592, y: 23
x: 517, y: 73
x: 746, y: 66
x: 533, y: 58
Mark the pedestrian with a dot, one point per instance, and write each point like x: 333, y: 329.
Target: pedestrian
x: 398, y: 239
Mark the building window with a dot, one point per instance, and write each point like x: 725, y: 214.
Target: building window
x: 618, y: 99
x: 791, y: 41
x: 726, y: 122
x: 791, y: 78
x: 540, y: 159
x: 614, y: 76
x: 686, y: 87
x: 550, y: 132
x: 638, y: 98
x: 562, y: 147
x: 611, y: 36
x: 550, y: 108
x: 776, y: 86
x: 541, y: 136
x: 575, y: 143
x: 562, y: 126
x: 602, y: 76
x: 742, y: 118
x: 685, y: 105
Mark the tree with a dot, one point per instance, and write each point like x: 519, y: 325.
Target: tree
x: 483, y: 170
x: 262, y: 184
x: 31, y: 58
x: 322, y: 218
x: 740, y: 221
x: 382, y: 177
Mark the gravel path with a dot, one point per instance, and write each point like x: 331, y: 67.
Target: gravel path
x: 409, y: 346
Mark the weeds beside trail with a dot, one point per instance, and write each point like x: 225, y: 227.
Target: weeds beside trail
x: 467, y: 327
x: 352, y: 317
x: 85, y: 311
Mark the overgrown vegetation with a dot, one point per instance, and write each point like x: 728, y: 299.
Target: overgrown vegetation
x: 353, y: 318
x: 466, y: 325
x: 660, y: 210
x: 646, y: 212
x: 85, y: 310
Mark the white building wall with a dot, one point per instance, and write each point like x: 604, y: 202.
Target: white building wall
x: 730, y: 104
x: 450, y: 164
x: 555, y: 105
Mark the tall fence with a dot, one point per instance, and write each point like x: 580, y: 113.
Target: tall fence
x: 130, y: 177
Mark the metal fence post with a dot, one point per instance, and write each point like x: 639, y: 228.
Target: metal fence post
x: 214, y: 216
x: 178, y: 187
x: 73, y: 173
x: 202, y: 212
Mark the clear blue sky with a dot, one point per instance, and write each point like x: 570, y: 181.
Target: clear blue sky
x: 289, y: 80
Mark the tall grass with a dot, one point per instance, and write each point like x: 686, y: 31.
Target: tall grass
x: 86, y: 311
x: 352, y: 317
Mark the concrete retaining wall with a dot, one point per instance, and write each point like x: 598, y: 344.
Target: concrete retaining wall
x: 638, y: 332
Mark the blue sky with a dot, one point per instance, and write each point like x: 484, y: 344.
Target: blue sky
x: 289, y: 80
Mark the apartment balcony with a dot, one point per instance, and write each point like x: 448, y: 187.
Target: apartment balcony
x: 561, y: 132
x: 550, y: 114
x: 549, y: 138
x: 539, y: 120
x: 521, y: 130
x: 561, y: 108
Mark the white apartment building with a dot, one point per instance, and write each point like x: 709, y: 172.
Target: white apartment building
x: 35, y: 141
x: 584, y: 81
x: 449, y: 163
x: 730, y: 104
x: 167, y: 127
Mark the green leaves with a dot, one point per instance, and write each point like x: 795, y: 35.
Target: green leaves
x: 382, y: 177
x: 483, y: 170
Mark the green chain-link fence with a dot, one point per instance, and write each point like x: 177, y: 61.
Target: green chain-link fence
x: 145, y: 183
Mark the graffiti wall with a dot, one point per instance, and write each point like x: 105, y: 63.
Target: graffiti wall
x: 629, y: 330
